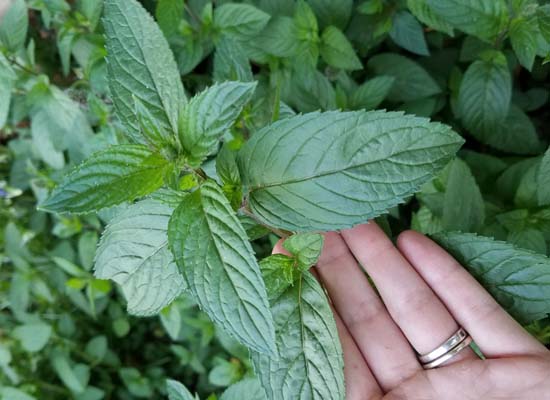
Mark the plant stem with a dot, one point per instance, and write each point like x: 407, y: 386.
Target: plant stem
x: 279, y: 232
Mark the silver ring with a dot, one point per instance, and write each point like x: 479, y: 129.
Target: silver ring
x: 448, y: 345
x: 450, y: 354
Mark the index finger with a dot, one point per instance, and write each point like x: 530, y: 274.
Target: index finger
x: 493, y: 329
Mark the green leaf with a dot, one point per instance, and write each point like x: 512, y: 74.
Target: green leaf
x: 407, y: 33
x: 485, y: 95
x: 483, y: 19
x: 213, y: 253
x: 463, y: 207
x: 543, y: 19
x: 176, y: 391
x: 134, y: 253
x: 7, y: 80
x: 307, y: 31
x: 240, y: 21
x: 529, y: 239
x: 412, y: 82
x: 309, y: 364
x: 169, y: 14
x: 518, y: 279
x: 372, y: 93
x: 328, y: 171
x: 230, y: 62
x: 9, y: 393
x: 227, y: 170
x: 278, y: 273
x: 544, y: 180
x: 279, y: 38
x: 248, y: 389
x: 337, y: 51
x: 141, y: 65
x: 308, y: 90
x: 305, y: 247
x: 516, y: 134
x: 523, y: 36
x: 14, y: 25
x: 33, y: 336
x: 331, y: 12
x: 209, y: 115
x: 421, y: 10
x: 109, y: 177
x: 67, y: 372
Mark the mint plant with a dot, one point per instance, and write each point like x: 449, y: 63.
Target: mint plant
x: 173, y: 143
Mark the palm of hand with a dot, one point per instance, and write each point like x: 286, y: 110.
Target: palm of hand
x: 425, y: 295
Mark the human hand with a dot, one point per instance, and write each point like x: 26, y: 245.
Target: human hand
x: 425, y: 297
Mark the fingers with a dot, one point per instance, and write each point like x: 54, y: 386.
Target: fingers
x: 412, y: 304
x: 494, y: 331
x: 387, y: 352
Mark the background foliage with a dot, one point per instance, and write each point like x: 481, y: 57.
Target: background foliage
x: 476, y: 66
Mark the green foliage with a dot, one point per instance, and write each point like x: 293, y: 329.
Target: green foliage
x: 169, y: 154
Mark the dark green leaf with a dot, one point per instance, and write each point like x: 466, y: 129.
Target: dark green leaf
x: 240, y: 20
x: 169, y: 14
x: 407, y: 32
x: 523, y: 35
x: 544, y: 180
x: 372, y: 93
x: 337, y: 51
x: 426, y: 15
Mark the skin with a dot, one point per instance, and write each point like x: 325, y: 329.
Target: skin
x: 423, y: 296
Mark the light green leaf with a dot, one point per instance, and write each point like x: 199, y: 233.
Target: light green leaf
x: 305, y: 247
x: 543, y: 186
x: 7, y: 80
x: 337, y: 51
x: 176, y: 391
x: 209, y: 115
x: 278, y: 273
x: 91, y: 9
x: 169, y: 14
x: 248, y: 389
x: 518, y: 279
x: 230, y: 62
x: 33, y: 336
x: 9, y: 393
x: 67, y: 372
x: 331, y: 12
x: 14, y: 25
x: 523, y: 36
x: 279, y: 38
x: 226, y: 168
x: 134, y: 253
x: 213, y: 253
x: 140, y: 64
x: 463, y: 207
x: 426, y: 15
x: 240, y: 21
x: 109, y: 177
x: 328, y: 171
x: 484, y: 19
x: 407, y: 33
x: 412, y: 82
x: 309, y: 364
x: 372, y: 93
x: 485, y: 95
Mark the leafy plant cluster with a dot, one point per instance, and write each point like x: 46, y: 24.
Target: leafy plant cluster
x: 166, y: 145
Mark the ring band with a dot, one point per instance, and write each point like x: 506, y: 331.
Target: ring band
x: 450, y: 354
x: 444, y: 348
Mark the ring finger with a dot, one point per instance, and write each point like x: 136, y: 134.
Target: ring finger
x: 418, y: 312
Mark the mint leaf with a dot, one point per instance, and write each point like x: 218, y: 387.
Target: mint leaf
x: 176, y: 391
x: 278, y: 273
x: 463, y: 207
x: 523, y: 36
x: 421, y: 10
x: 213, y: 253
x: 543, y: 19
x: 516, y: 134
x: 240, y: 21
x: 248, y: 389
x: 227, y: 170
x: 412, y: 82
x: 109, y: 177
x: 485, y: 95
x: 337, y: 51
x: 518, y: 279
x: 7, y: 81
x: 483, y: 19
x: 305, y: 247
x: 407, y: 33
x: 307, y: 33
x: 372, y: 93
x: 209, y: 115
x: 141, y: 65
x: 331, y: 12
x: 309, y: 365
x: 305, y: 173
x: 134, y: 253
x: 231, y: 62
x: 169, y: 14
x: 14, y: 25
x: 33, y: 336
x: 544, y: 180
